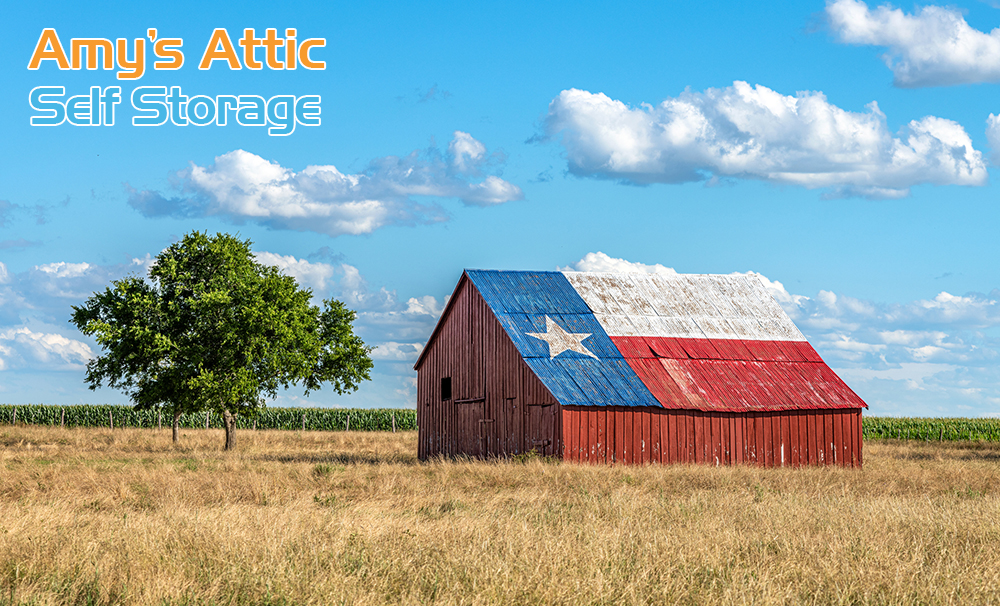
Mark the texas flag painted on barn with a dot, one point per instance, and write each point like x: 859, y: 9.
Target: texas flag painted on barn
x: 701, y: 342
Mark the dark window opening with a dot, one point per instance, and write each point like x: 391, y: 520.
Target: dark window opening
x: 446, y: 388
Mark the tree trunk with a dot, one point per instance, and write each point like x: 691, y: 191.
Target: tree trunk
x: 229, y: 420
x: 177, y: 426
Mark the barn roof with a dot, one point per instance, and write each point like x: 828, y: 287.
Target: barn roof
x: 701, y: 342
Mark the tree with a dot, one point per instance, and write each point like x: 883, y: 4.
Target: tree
x: 213, y: 329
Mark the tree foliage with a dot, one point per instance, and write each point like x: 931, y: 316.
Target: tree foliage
x: 213, y: 329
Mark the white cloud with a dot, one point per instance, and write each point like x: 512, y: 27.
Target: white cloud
x: 22, y: 346
x: 64, y: 270
x: 46, y: 291
x: 911, y: 337
x: 408, y: 391
x: 466, y: 152
x: 599, y: 261
x: 925, y: 352
x: 242, y: 186
x: 310, y: 275
x: 491, y: 191
x: 848, y: 344
x: 753, y: 132
x: 933, y: 46
x: 397, y: 352
x: 426, y: 305
x: 410, y: 322
x: 993, y: 137
x: 36, y: 304
x: 142, y: 265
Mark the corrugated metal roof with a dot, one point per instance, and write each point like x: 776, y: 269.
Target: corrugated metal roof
x: 704, y: 342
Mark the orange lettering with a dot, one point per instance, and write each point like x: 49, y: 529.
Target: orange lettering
x: 48, y: 48
x: 220, y: 48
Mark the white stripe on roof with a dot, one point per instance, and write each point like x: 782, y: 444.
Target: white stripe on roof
x: 684, y: 306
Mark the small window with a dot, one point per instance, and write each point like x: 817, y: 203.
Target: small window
x: 446, y: 388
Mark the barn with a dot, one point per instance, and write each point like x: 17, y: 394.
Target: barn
x: 629, y: 368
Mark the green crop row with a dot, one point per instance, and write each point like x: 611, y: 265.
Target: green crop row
x: 311, y: 419
x: 364, y: 419
x: 905, y: 428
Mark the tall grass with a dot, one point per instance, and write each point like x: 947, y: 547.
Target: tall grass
x: 93, y: 516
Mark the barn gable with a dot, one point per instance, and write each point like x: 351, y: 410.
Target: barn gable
x: 496, y: 405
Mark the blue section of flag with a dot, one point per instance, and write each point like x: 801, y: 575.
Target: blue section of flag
x: 521, y: 300
x: 528, y: 292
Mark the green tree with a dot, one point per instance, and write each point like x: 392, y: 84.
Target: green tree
x: 213, y: 329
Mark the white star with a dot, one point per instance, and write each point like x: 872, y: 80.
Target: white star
x: 559, y: 340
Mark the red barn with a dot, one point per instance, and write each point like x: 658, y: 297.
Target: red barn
x: 629, y: 368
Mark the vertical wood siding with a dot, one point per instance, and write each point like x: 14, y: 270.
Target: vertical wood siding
x: 768, y: 439
x: 498, y: 406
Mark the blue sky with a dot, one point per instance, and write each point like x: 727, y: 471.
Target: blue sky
x: 841, y: 150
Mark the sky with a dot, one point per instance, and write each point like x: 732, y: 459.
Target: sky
x: 842, y: 151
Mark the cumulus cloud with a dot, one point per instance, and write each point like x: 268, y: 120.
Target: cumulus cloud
x: 466, y: 152
x: 61, y: 269
x: 598, y: 261
x: 397, y: 352
x: 46, y: 291
x: 35, y: 306
x: 753, y: 132
x: 242, y: 186
x: 933, y: 46
x: 22, y: 347
x: 314, y: 276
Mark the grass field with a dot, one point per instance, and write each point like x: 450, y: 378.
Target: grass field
x: 93, y: 516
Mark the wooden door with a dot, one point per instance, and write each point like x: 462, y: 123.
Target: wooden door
x: 470, y: 428
x: 540, y: 429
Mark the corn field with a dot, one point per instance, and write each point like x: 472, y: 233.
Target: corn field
x: 309, y: 419
x: 950, y: 429
x: 382, y: 419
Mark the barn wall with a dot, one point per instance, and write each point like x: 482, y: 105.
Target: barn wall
x: 498, y: 406
x: 769, y: 439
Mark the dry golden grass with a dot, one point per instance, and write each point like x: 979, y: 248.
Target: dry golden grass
x: 91, y: 516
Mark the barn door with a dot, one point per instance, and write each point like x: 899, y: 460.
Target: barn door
x: 470, y: 427
x: 540, y: 429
